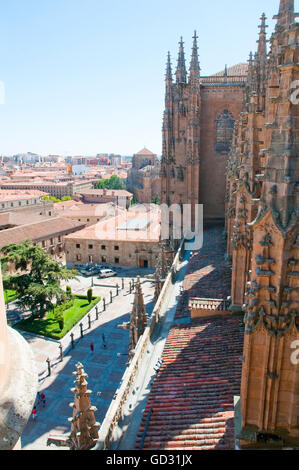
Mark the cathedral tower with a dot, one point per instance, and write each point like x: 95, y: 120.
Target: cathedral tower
x: 198, y: 126
x: 181, y: 132
x: 270, y: 377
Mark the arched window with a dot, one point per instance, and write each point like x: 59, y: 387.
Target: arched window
x: 224, y: 131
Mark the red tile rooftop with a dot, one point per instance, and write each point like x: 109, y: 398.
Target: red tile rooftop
x: 235, y: 70
x: 208, y: 275
x: 132, y: 225
x: 192, y: 395
x: 106, y: 192
x: 6, y: 195
x: 88, y: 210
x: 145, y: 151
x: 39, y: 230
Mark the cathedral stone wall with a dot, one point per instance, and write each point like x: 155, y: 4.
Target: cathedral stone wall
x: 215, y: 100
x: 198, y: 125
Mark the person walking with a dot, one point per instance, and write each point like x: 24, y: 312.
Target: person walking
x: 34, y: 413
x: 39, y: 399
x: 104, y: 341
x: 91, y: 347
x: 43, y: 398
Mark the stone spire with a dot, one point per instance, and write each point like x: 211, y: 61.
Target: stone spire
x: 168, y: 82
x: 138, y: 320
x: 262, y: 41
x: 286, y: 15
x: 250, y: 69
x: 84, y: 432
x: 250, y: 85
x: 181, y: 73
x: 158, y: 286
x: 194, y: 66
x: 168, y: 70
x: 161, y: 271
x: 261, y: 62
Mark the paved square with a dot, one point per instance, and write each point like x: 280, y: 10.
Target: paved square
x: 105, y: 367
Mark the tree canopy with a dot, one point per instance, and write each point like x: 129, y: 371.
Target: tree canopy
x: 114, y: 182
x: 38, y: 283
x: 55, y: 199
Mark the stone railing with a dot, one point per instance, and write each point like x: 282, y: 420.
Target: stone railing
x: 223, y: 79
x: 210, y: 304
x: 115, y: 412
x: 200, y: 308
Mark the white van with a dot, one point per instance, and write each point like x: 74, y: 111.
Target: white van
x: 107, y: 273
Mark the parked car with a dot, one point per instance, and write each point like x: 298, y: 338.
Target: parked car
x: 90, y: 271
x: 107, y: 273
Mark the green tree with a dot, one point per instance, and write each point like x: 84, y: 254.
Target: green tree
x: 60, y: 319
x: 114, y: 182
x: 69, y: 292
x: 101, y: 184
x: 38, y: 283
x: 89, y: 295
x: 55, y: 199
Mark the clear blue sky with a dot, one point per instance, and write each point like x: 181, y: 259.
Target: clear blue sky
x: 87, y: 76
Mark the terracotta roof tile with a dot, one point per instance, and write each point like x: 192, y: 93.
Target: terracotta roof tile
x: 39, y: 230
x: 192, y: 395
x: 208, y: 275
x: 132, y: 225
x: 145, y: 151
x: 235, y: 70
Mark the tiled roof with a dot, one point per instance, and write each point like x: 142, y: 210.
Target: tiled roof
x: 235, y: 70
x: 208, y: 275
x: 65, y: 205
x: 19, y: 218
x: 148, y: 229
x: 192, y: 395
x: 39, y: 230
x: 7, y: 195
x: 106, y: 192
x: 90, y: 210
x: 145, y: 151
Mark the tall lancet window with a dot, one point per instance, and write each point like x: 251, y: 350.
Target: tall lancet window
x: 224, y: 131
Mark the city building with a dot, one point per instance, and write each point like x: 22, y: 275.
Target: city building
x: 48, y: 233
x: 11, y: 200
x: 89, y: 214
x: 143, y: 178
x: 128, y: 239
x: 56, y: 189
x: 120, y: 197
